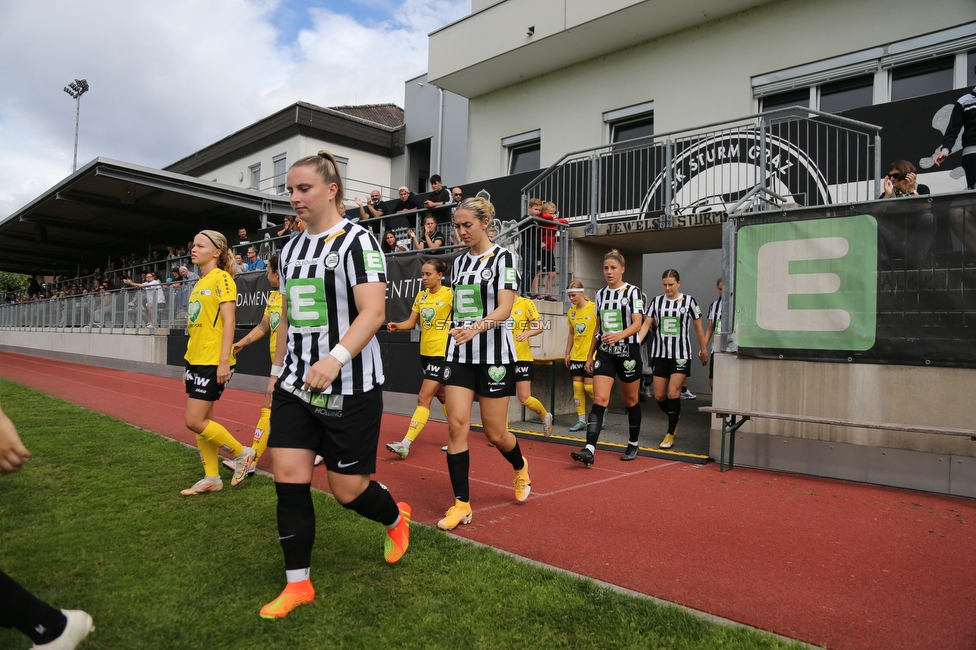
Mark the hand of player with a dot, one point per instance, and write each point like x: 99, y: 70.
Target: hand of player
x: 322, y: 373
x: 271, y: 384
x: 223, y: 373
x: 589, y: 366
x: 522, y: 336
x: 13, y: 453
x: 238, y: 346
x: 611, y: 337
x: 567, y: 360
x: 703, y: 356
x: 391, y: 327
x: 462, y: 335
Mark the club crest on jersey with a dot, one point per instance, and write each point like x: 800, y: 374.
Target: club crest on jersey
x: 624, y: 302
x: 332, y: 260
x: 447, y: 372
x: 487, y: 274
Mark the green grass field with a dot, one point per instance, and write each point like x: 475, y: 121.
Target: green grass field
x: 95, y: 521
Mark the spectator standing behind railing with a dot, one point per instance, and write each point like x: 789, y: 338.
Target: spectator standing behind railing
x: 242, y: 241
x: 255, y: 263
x: 390, y: 243
x: 292, y: 227
x: 375, y: 207
x: 547, y: 251
x: 439, y: 194
x: 530, y: 258
x: 430, y: 237
x: 154, y: 296
x: 407, y: 201
x: 904, y: 233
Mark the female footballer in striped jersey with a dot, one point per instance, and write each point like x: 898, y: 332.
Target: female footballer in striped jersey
x: 328, y: 397
x: 714, y: 327
x: 480, y: 354
x: 210, y: 358
x: 673, y: 314
x: 432, y: 309
x: 619, y: 310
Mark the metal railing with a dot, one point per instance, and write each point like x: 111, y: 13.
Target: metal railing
x: 777, y: 158
x: 127, y: 311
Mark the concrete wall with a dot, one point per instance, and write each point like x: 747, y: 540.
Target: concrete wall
x: 447, y: 129
x: 922, y: 396
x: 694, y: 77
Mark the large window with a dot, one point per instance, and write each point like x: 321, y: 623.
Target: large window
x: 921, y: 65
x: 846, y: 94
x: 524, y: 152
x: 254, y: 172
x: 280, y: 173
x: 922, y: 78
x: 631, y: 122
x: 800, y: 97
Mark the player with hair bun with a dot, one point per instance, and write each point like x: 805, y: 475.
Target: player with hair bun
x: 327, y: 378
x: 619, y: 310
x: 432, y: 309
x: 480, y: 355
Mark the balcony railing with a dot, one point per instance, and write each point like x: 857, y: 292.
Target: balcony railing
x: 788, y: 157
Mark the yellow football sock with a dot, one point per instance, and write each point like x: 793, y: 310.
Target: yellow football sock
x: 444, y: 408
x: 261, y: 433
x: 208, y: 456
x: 579, y: 397
x: 217, y: 435
x: 589, y: 390
x: 535, y: 406
x: 417, y: 422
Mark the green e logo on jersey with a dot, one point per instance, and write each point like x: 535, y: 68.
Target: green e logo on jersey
x: 808, y: 284
x: 670, y: 325
x: 612, y: 320
x: 373, y: 261
x: 509, y: 276
x: 467, y: 301
x: 306, y: 303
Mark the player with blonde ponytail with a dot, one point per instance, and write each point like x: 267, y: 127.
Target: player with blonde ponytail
x: 210, y: 358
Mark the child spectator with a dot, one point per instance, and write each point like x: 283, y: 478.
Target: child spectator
x: 547, y: 251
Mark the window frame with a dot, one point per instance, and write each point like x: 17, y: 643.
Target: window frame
x: 281, y: 187
x: 517, y: 144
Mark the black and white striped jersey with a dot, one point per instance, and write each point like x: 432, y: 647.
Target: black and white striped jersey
x: 318, y: 273
x: 615, y: 310
x: 714, y: 317
x: 476, y: 281
x: 674, y: 322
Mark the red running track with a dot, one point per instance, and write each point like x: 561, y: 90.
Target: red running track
x: 838, y: 564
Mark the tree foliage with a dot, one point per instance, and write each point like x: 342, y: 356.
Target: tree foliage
x: 13, y: 283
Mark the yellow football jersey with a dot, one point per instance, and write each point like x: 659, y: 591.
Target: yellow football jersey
x: 524, y: 312
x: 204, y: 323
x: 582, y: 321
x: 273, y: 311
x: 435, y: 320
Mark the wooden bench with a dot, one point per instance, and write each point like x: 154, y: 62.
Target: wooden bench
x: 730, y: 426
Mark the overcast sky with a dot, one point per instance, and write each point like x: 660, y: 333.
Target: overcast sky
x: 168, y: 78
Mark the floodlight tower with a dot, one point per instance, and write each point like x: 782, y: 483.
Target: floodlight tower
x: 76, y: 89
